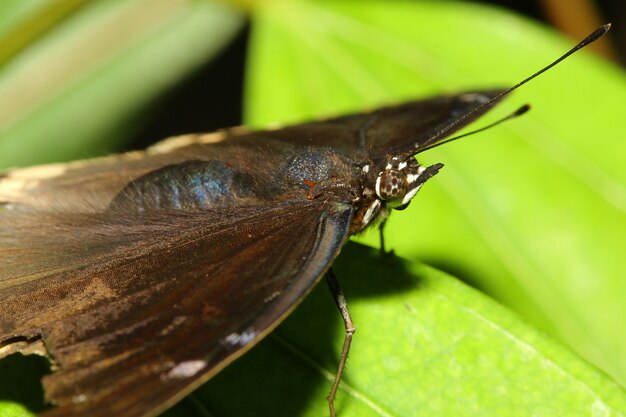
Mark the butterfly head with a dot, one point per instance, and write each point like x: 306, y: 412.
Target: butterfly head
x: 394, y: 186
x: 401, y: 179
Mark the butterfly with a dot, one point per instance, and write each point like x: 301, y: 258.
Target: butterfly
x: 211, y: 239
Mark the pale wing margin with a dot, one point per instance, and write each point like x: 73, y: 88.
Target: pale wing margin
x: 61, y: 186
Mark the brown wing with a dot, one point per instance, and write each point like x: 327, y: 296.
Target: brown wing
x: 55, y: 186
x: 387, y: 131
x: 414, y: 126
x: 136, y: 312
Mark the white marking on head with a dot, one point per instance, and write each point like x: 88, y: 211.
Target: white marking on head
x: 409, y: 196
x: 366, y: 168
x: 370, y: 212
x: 186, y: 369
x: 411, y: 178
x: 377, y: 185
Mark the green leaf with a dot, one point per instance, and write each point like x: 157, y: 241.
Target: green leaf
x: 81, y: 86
x: 532, y: 212
x: 425, y: 345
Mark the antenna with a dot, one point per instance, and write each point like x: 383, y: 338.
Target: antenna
x: 513, y: 115
x: 598, y: 33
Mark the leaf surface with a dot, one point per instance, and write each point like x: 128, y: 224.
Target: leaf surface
x: 80, y: 87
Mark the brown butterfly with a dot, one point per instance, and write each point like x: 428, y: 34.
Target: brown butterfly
x: 211, y: 239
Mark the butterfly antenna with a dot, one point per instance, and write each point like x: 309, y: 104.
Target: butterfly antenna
x: 598, y: 33
x: 513, y: 115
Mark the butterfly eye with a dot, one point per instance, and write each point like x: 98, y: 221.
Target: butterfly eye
x: 392, y: 185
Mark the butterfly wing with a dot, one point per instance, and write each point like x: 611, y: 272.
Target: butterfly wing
x: 89, y: 185
x: 403, y: 128
x: 390, y: 130
x: 143, y: 309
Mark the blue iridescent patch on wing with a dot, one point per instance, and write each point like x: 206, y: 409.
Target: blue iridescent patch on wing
x: 188, y: 185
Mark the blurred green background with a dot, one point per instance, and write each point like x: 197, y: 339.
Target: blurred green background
x: 531, y: 213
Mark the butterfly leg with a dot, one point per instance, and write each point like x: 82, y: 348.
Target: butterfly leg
x: 382, y: 236
x: 381, y: 232
x: 340, y: 300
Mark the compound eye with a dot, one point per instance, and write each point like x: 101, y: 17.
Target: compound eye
x: 392, y: 185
